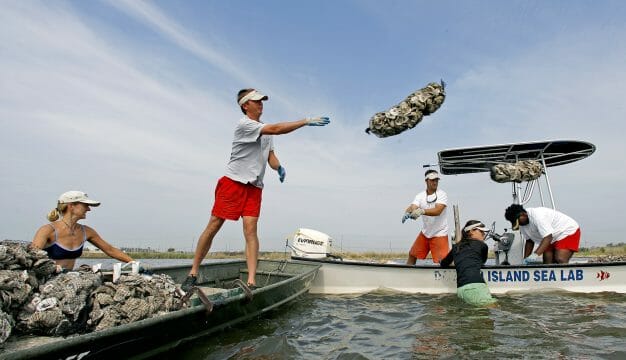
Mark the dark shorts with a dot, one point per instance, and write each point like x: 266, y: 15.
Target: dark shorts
x: 234, y: 200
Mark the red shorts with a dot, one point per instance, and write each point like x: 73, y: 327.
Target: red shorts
x: 438, y: 247
x: 570, y: 242
x: 234, y: 200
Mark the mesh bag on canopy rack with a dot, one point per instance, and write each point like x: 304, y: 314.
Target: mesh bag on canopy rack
x: 525, y: 170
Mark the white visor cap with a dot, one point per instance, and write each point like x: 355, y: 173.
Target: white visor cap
x: 432, y: 176
x: 479, y: 226
x: 77, y: 196
x: 252, y: 95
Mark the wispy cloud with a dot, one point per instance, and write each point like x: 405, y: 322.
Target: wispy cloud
x: 150, y: 15
x: 79, y: 111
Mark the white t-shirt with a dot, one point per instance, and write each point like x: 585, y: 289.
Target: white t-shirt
x: 249, y: 154
x: 545, y: 221
x: 433, y: 225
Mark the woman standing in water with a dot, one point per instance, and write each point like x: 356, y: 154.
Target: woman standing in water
x: 64, y: 238
x: 469, y: 255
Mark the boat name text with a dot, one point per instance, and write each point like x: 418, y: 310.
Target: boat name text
x: 536, y: 275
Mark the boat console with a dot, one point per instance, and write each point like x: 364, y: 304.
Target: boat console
x: 509, y: 247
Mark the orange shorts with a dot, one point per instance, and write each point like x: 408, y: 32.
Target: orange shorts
x: 234, y: 200
x: 570, y: 242
x: 438, y: 247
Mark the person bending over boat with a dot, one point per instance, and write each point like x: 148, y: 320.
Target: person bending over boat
x: 558, y: 234
x: 64, y: 238
x: 431, y: 205
x: 468, y: 256
x: 238, y: 193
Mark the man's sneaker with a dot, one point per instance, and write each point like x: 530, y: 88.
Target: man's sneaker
x: 190, y: 281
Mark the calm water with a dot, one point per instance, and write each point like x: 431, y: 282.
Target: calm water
x: 384, y: 325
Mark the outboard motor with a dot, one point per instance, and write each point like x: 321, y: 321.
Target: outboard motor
x: 313, y: 244
x: 509, y: 248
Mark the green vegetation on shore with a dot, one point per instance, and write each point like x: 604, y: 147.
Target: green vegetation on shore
x: 596, y: 251
x: 609, y: 249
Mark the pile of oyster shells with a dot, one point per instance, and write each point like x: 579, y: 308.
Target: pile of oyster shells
x: 133, y: 297
x: 56, y: 309
x: 22, y: 271
x: 607, y: 258
x: 36, y: 300
x: 408, y: 112
x: 525, y: 170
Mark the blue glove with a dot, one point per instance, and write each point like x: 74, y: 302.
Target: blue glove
x: 405, y: 217
x: 281, y: 173
x: 318, y: 121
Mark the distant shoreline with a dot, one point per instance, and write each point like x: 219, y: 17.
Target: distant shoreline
x: 618, y: 250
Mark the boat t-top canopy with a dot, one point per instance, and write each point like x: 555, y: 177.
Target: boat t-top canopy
x: 482, y: 158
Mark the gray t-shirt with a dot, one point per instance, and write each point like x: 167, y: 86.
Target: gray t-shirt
x: 250, y: 152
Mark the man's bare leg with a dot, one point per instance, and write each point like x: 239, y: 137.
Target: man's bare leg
x: 252, y: 246
x: 562, y: 256
x: 411, y: 260
x: 205, y: 241
x: 548, y: 257
x: 528, y: 248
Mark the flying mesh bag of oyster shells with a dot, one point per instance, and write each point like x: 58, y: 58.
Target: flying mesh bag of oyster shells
x: 408, y: 112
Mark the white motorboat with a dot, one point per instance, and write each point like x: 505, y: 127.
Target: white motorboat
x: 510, y: 273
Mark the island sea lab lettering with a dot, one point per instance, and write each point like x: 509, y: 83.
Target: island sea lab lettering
x: 535, y: 275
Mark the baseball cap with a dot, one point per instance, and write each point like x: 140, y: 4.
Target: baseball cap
x: 432, y: 176
x: 252, y: 95
x: 76, y: 196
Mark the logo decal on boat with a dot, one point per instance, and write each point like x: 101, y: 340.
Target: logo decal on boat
x: 310, y: 241
x: 603, y: 275
x: 443, y: 275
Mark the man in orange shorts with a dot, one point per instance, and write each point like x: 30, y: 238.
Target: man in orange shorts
x: 559, y: 233
x: 238, y: 193
x: 431, y: 205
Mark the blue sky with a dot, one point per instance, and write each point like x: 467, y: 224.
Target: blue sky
x: 134, y: 103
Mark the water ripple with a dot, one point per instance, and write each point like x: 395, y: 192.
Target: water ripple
x: 387, y: 325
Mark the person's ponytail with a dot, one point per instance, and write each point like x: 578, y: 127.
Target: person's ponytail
x: 55, y: 213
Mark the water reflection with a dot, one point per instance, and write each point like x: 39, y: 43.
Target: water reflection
x: 438, y: 338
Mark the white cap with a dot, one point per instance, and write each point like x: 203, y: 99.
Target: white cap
x: 252, y: 95
x: 432, y: 175
x: 479, y: 226
x: 76, y: 196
